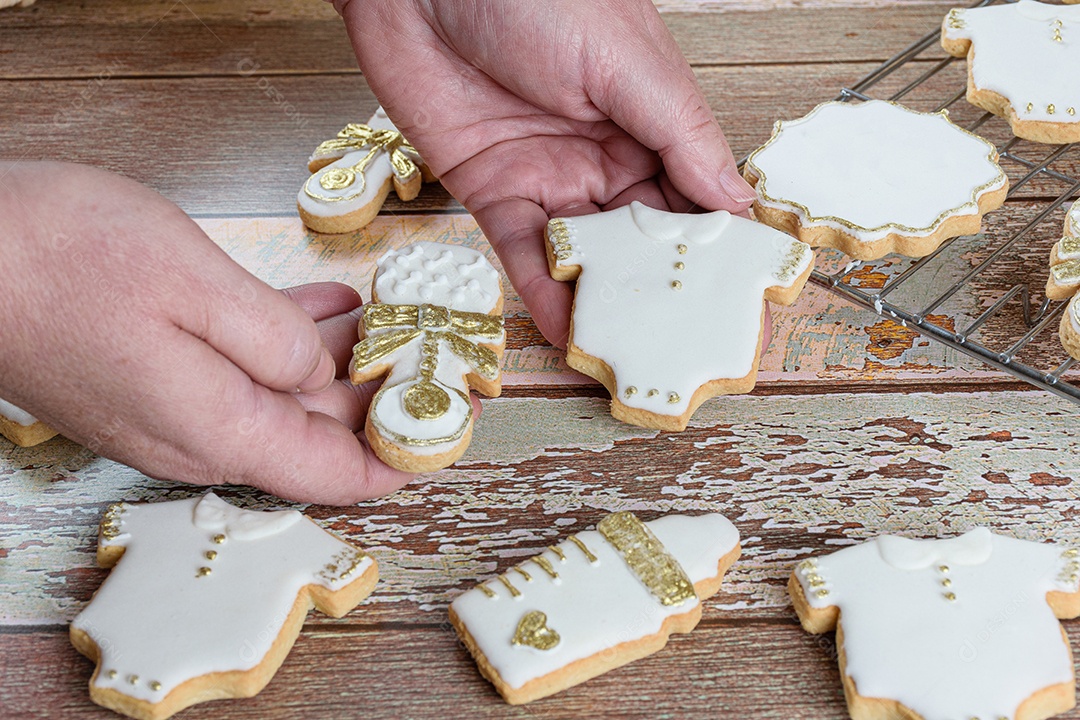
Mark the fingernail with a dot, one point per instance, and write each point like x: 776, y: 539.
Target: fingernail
x: 323, y: 377
x: 736, y: 187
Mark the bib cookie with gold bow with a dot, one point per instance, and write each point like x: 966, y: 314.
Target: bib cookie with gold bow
x: 352, y: 175
x: 435, y: 329
x: 597, y: 600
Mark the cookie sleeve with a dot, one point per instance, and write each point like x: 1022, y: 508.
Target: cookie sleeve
x: 563, y: 249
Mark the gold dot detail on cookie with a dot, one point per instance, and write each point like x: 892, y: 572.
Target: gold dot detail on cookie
x: 353, y: 173
x: 435, y: 330
x: 875, y: 178
x: 167, y: 632
x: 954, y: 628
x: 662, y: 341
x: 618, y: 593
x: 1026, y: 68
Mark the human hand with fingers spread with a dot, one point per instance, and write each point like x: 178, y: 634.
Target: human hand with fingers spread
x: 528, y: 110
x: 126, y: 328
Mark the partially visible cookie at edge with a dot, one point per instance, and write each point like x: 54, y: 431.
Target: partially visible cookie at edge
x: 22, y: 428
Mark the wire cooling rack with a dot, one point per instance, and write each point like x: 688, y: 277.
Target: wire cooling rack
x: 1008, y: 319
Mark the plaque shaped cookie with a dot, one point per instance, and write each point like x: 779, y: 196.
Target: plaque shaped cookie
x: 594, y: 602
x: 1022, y: 65
x: 875, y: 178
x: 669, y: 307
x: 1064, y: 280
x: 435, y: 329
x: 205, y: 600
x: 937, y: 629
x: 22, y: 428
x: 353, y: 173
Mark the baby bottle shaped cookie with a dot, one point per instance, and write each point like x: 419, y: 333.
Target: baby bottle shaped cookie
x: 434, y: 329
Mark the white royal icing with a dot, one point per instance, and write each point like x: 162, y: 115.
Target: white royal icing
x: 980, y: 653
x: 449, y: 276
x: 874, y: 168
x: 16, y: 414
x: 1028, y: 52
x: 376, y: 174
x: 1074, y: 313
x: 628, y: 313
x: 593, y: 606
x: 157, y: 620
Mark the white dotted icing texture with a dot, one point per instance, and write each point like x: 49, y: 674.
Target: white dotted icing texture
x: 671, y: 302
x: 436, y: 274
x: 1028, y: 52
x: 874, y: 168
x: 593, y: 606
x: 159, y: 619
x: 955, y: 628
x: 16, y: 414
x: 376, y: 174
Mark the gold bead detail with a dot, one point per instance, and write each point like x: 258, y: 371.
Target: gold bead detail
x: 155, y: 686
x: 211, y: 554
x: 1030, y: 107
x: 950, y: 596
x: 1071, y: 111
x: 680, y: 266
x: 133, y: 679
x: 218, y: 539
x: 1050, y: 109
x: 943, y: 569
x: 673, y: 398
x: 112, y: 674
x: 822, y: 593
x: 653, y: 393
x: 946, y: 582
x: 681, y: 248
x: 204, y: 571
x: 632, y: 390
x: 676, y: 285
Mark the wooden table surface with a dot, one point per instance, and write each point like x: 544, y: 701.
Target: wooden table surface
x: 857, y: 427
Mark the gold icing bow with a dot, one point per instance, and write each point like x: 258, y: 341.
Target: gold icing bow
x: 406, y: 323
x: 357, y: 136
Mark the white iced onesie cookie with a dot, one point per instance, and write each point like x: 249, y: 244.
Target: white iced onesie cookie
x: 204, y: 587
x: 626, y: 582
x: 671, y: 304
x: 1027, y: 56
x: 435, y: 330
x: 955, y: 628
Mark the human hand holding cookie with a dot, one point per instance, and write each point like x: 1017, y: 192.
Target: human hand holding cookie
x: 527, y: 111
x: 128, y: 330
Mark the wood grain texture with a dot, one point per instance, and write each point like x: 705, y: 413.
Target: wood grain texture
x: 796, y: 475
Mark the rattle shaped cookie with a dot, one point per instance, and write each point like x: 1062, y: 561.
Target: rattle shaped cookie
x: 875, y: 178
x: 1064, y: 280
x: 22, y: 428
x: 940, y: 629
x: 353, y: 173
x: 594, y: 602
x: 435, y: 329
x: 669, y: 307
x: 1022, y: 65
x: 205, y: 600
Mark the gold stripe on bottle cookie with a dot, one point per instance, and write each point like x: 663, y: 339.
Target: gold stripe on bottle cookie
x: 646, y: 557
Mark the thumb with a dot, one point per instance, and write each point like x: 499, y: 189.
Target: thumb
x: 656, y: 99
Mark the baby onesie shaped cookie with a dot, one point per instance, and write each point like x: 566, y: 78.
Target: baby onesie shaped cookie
x: 352, y: 175
x: 435, y: 329
x: 875, y: 178
x: 1064, y: 280
x: 669, y: 307
x: 22, y: 428
x: 945, y: 629
x: 1022, y: 65
x: 594, y: 602
x: 205, y: 600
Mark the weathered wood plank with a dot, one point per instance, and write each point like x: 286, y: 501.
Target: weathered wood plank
x: 797, y: 475
x: 70, y: 39
x: 821, y: 339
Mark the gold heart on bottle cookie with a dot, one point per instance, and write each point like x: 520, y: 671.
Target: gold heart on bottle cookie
x: 532, y: 630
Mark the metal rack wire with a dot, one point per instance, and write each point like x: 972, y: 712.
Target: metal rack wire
x: 1031, y: 159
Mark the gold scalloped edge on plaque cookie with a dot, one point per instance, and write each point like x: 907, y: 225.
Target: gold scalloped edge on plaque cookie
x: 807, y: 218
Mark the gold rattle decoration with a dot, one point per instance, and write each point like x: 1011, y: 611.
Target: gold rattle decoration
x: 353, y: 138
